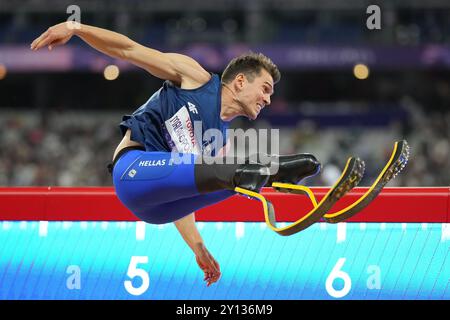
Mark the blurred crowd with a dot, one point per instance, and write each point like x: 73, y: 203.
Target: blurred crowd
x: 273, y: 21
x: 62, y: 148
x: 43, y: 143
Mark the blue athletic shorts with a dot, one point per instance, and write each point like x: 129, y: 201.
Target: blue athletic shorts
x: 158, y: 189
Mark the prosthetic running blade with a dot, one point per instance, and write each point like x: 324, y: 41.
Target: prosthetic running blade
x: 398, y: 160
x: 394, y: 166
x: 350, y: 177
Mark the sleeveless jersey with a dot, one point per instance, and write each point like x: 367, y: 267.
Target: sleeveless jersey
x: 180, y: 120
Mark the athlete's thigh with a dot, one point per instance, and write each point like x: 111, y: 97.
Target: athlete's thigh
x: 169, y: 212
x: 150, y: 178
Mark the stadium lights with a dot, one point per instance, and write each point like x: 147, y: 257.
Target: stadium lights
x: 111, y: 72
x: 361, y: 71
x: 3, y: 71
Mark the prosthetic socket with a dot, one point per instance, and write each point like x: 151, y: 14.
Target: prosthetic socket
x: 213, y: 174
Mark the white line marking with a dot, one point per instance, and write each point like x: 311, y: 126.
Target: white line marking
x: 445, y: 232
x: 240, y: 230
x: 66, y: 225
x: 122, y: 225
x: 140, y: 230
x: 43, y: 228
x: 341, y: 232
x: 23, y: 225
x: 6, y: 225
x: 200, y: 225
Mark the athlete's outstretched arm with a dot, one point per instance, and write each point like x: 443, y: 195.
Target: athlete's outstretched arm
x: 169, y: 66
x: 188, y: 230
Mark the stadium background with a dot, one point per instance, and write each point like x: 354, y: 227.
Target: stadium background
x: 59, y: 127
x: 59, y: 115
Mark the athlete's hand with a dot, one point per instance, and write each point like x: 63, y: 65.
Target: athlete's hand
x: 54, y: 36
x: 208, y: 264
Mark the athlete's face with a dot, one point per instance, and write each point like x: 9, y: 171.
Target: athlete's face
x: 255, y: 95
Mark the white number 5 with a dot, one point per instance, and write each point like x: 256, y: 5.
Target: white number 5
x: 134, y: 271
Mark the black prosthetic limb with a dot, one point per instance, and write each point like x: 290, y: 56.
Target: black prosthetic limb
x: 288, y: 168
x: 213, y: 174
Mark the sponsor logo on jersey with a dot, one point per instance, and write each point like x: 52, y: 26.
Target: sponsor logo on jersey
x: 192, y: 108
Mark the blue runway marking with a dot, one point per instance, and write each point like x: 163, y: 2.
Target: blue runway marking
x: 407, y: 261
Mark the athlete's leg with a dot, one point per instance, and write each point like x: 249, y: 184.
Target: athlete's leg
x: 172, y: 211
x: 142, y: 178
x: 146, y: 179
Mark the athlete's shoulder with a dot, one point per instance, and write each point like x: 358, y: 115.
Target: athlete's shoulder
x: 214, y: 78
x: 212, y: 82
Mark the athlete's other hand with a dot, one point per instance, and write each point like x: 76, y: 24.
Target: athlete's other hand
x: 208, y: 264
x: 54, y: 36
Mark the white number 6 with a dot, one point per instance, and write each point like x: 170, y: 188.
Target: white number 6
x: 335, y: 274
x: 134, y: 271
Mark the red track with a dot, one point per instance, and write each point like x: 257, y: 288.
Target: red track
x: 101, y: 204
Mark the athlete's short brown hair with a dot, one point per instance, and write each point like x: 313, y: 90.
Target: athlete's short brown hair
x: 251, y: 65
